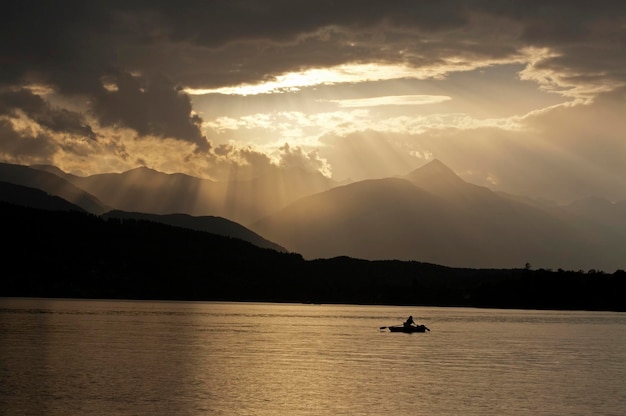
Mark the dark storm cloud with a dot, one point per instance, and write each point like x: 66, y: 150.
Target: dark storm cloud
x: 73, y: 45
x: 229, y: 42
x: 38, y: 110
x: 155, y: 107
x: 80, y: 41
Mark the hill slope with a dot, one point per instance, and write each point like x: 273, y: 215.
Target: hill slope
x: 51, y: 184
x: 34, y: 198
x: 214, y: 225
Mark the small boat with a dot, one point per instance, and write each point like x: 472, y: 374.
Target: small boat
x: 406, y: 329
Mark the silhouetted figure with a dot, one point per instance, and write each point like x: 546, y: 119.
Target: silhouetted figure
x: 409, y: 322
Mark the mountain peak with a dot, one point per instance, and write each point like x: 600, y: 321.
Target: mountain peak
x: 434, y: 173
x: 142, y: 169
x: 436, y: 166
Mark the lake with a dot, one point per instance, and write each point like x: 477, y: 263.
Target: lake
x: 92, y: 357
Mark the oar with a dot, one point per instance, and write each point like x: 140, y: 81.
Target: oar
x: 385, y: 327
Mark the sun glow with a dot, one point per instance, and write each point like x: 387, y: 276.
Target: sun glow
x: 294, y: 81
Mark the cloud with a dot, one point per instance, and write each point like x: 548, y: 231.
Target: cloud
x: 13, y: 103
x: 24, y: 147
x: 228, y: 43
x: 297, y: 158
x: 294, y: 81
x: 243, y: 162
x: 150, y: 107
x: 392, y: 100
x: 551, y: 71
x: 277, y: 126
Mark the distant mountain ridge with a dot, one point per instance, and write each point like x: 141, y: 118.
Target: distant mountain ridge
x: 244, y: 201
x: 41, y: 199
x: 432, y: 215
x: 429, y: 215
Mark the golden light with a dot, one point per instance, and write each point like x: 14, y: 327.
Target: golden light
x: 350, y: 73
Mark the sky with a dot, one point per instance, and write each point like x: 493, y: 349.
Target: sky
x: 525, y: 97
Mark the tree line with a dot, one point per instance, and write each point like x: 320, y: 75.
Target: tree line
x: 80, y: 255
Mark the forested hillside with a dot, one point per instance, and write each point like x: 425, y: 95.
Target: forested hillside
x: 74, y: 254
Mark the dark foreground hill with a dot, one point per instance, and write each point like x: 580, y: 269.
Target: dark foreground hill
x: 80, y: 255
x: 211, y: 224
x: 34, y: 198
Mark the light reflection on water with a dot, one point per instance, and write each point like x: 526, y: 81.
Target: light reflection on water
x: 70, y: 357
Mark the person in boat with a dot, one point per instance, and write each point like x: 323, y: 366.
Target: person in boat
x: 409, y: 322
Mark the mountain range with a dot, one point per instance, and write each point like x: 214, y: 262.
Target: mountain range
x: 432, y: 215
x: 24, y: 186
x: 429, y: 215
x: 243, y: 201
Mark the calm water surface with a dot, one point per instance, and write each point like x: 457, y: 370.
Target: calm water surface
x: 73, y: 357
